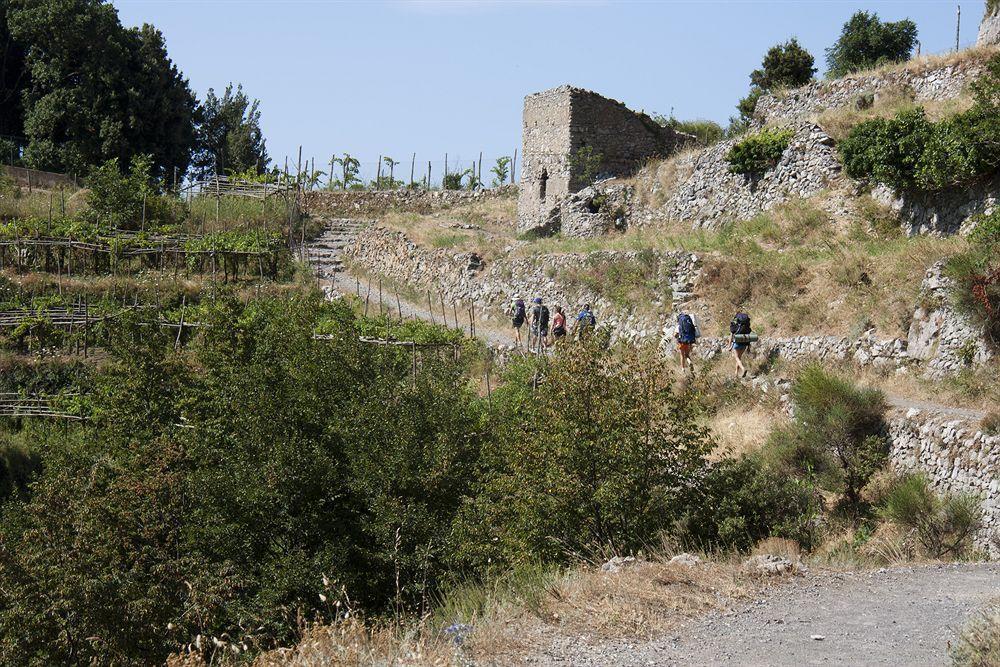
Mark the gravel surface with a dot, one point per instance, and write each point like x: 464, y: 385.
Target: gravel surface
x: 899, y: 616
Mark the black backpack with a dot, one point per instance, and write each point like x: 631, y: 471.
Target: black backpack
x: 740, y: 324
x: 543, y: 317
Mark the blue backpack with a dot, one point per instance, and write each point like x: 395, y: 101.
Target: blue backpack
x: 685, y: 328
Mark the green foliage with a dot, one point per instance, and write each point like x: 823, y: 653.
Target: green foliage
x: 743, y: 501
x: 215, y: 489
x: 866, y: 42
x: 909, y: 152
x: 128, y: 200
x: 350, y: 166
x: 585, y: 164
x: 14, y: 81
x: 603, y: 456
x: 758, y: 152
x: 453, y: 180
x: 785, y: 65
x: 838, y: 435
x: 229, y: 135
x: 18, y: 467
x: 943, y: 523
x: 501, y: 171
x: 99, y: 91
x: 976, y: 273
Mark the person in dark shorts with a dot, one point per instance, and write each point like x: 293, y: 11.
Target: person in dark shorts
x: 518, y: 314
x: 585, y: 322
x: 739, y: 329
x: 540, y: 323
x: 558, y: 325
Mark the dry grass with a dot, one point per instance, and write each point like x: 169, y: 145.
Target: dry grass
x: 493, y: 222
x: 657, y: 181
x: 979, y: 643
x: 740, y: 430
x: 839, y: 121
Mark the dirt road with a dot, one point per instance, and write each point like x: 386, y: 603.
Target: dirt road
x: 901, y: 616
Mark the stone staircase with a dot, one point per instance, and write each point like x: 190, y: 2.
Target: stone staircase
x: 324, y: 252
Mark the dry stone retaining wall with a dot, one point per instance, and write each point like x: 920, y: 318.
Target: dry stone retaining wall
x: 941, y: 213
x: 989, y: 30
x: 368, y: 203
x: 956, y: 458
x: 712, y: 195
x: 930, y: 80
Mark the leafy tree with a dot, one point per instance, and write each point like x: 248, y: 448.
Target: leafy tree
x: 866, y: 42
x: 501, y: 171
x: 14, y: 80
x: 350, y: 166
x: 838, y: 435
x: 99, y: 91
x: 604, y: 455
x: 785, y: 65
x: 124, y: 200
x: 229, y: 136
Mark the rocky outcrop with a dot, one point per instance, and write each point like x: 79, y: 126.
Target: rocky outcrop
x: 942, y: 338
x: 712, y: 195
x: 595, y: 211
x: 941, y: 213
x: 933, y: 78
x: 989, y: 29
x: 957, y: 458
x: 368, y: 203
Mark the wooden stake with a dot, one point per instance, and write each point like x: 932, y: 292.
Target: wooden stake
x: 413, y: 164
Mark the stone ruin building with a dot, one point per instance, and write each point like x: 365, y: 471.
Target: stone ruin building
x: 557, y: 123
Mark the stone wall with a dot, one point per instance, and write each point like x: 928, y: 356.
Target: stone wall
x: 368, y: 203
x: 941, y: 213
x: 932, y: 78
x: 712, y: 195
x: 943, y: 339
x: 558, y: 123
x: 957, y: 458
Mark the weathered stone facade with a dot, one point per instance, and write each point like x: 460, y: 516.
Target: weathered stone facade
x: 558, y: 123
x: 989, y: 29
x: 711, y: 194
x: 934, y: 78
x: 957, y: 458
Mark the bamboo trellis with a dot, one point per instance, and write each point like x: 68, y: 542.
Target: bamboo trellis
x: 16, y: 405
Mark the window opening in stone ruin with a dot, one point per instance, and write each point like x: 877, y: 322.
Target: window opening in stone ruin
x: 541, y: 185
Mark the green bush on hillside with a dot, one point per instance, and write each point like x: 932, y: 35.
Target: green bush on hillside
x: 944, y: 524
x: 129, y: 200
x: 743, y: 501
x: 976, y: 273
x: 758, y: 152
x: 837, y: 437
x: 911, y: 153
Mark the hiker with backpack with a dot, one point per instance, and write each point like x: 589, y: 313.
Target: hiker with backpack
x: 518, y: 314
x: 740, y: 337
x: 686, y: 332
x: 558, y: 325
x: 584, y: 323
x: 539, y: 323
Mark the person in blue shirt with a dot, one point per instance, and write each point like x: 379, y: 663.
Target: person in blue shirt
x: 584, y: 323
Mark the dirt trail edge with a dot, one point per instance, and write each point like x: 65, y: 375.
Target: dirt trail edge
x: 898, y: 616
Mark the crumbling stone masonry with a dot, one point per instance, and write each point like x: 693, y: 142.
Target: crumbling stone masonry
x: 558, y: 123
x: 989, y: 29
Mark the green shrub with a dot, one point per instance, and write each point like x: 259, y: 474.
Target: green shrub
x: 603, y: 456
x: 743, y: 501
x: 909, y: 152
x: 452, y: 181
x: 125, y: 200
x: 838, y: 434
x: 976, y: 273
x: 944, y: 524
x: 866, y: 42
x: 758, y: 152
x: 18, y: 466
x: 706, y: 132
x: 585, y: 163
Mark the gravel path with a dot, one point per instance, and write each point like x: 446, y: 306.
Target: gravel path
x: 900, y: 616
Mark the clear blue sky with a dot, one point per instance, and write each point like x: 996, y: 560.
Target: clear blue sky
x: 394, y: 77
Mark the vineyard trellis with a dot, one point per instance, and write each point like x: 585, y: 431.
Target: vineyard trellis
x: 17, y: 405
